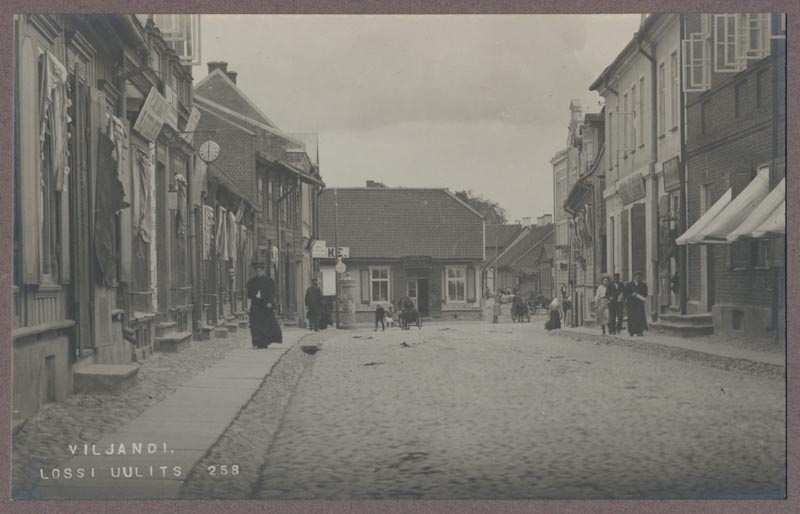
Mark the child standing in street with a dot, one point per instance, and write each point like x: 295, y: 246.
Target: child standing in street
x: 380, y: 315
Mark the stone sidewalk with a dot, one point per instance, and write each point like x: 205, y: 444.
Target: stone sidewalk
x: 152, y: 455
x: 702, y: 348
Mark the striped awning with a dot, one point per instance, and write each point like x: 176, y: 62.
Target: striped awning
x: 761, y: 214
x: 694, y: 234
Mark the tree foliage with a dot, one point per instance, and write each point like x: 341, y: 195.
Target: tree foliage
x: 491, y: 210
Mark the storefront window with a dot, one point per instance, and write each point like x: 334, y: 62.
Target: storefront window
x: 456, y: 284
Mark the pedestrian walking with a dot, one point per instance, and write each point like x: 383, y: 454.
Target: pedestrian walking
x: 380, y: 316
x: 636, y: 294
x: 314, y: 305
x: 601, y: 304
x: 554, y: 322
x: 264, y: 328
x: 616, y: 310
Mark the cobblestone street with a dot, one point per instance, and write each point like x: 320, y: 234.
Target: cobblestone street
x: 475, y: 410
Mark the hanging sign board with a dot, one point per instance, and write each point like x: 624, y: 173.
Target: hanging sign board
x: 672, y: 177
x: 340, y: 267
x: 344, y: 252
x: 632, y: 188
x: 172, y: 112
x: 152, y: 116
x: 319, y: 250
x: 191, y: 125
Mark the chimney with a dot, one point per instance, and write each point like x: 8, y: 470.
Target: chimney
x: 547, y: 219
x: 217, y: 65
x: 526, y: 221
x: 232, y: 75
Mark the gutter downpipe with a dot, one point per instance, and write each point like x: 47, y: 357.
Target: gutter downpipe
x: 653, y: 179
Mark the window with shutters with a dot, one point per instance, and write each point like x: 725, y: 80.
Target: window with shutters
x: 379, y: 284
x: 456, y: 284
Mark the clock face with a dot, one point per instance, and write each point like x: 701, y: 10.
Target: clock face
x: 209, y: 151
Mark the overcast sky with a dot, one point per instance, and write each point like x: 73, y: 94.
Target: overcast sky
x: 463, y: 102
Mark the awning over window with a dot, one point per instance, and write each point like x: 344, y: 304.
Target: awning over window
x: 775, y: 223
x: 738, y: 210
x: 694, y: 234
x: 761, y: 214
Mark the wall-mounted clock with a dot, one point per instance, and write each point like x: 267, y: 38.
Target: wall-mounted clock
x: 209, y: 151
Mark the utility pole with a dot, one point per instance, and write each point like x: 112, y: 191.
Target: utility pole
x: 336, y: 244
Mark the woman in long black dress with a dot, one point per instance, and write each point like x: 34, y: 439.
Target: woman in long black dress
x: 264, y: 327
x: 636, y: 297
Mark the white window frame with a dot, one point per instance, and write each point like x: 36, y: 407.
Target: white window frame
x: 611, y: 140
x: 640, y: 112
x: 725, y: 60
x: 746, y: 48
x: 625, y: 114
x: 696, y: 57
x: 448, y: 279
x: 373, y: 280
x: 675, y: 88
x: 634, y: 117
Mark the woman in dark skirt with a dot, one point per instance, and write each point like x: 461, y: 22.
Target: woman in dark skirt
x: 264, y: 327
x: 636, y: 297
x: 554, y: 322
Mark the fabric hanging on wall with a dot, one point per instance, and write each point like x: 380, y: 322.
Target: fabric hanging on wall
x: 233, y: 232
x: 208, y: 229
x: 54, y: 108
x: 275, y: 255
x: 109, y: 200
x: 180, y: 213
x: 240, y: 212
x: 222, y: 236
x: 119, y: 136
x: 141, y: 200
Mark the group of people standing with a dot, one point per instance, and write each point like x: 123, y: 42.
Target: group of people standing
x: 614, y: 298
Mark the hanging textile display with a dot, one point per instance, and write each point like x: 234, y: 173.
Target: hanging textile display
x: 275, y: 255
x: 109, y: 200
x: 180, y: 214
x: 141, y: 194
x: 222, y: 235
x: 233, y: 232
x: 208, y: 230
x: 119, y: 136
x: 55, y: 103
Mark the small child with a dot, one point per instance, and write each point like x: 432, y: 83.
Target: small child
x: 380, y: 314
x: 389, y: 320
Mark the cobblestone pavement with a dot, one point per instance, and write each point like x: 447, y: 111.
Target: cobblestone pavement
x: 86, y: 418
x: 477, y: 411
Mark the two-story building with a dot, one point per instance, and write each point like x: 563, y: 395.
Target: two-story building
x: 274, y: 172
x: 422, y: 243
x: 735, y: 173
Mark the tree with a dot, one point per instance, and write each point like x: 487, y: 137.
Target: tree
x: 491, y: 210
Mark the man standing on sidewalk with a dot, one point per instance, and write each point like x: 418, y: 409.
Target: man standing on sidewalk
x: 314, y: 305
x: 614, y: 294
x: 264, y: 327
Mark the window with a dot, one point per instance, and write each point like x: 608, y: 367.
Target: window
x: 674, y: 89
x: 725, y: 44
x: 456, y: 284
x: 612, y: 244
x: 626, y: 109
x: 697, y: 63
x: 737, y: 99
x: 752, y: 36
x: 379, y: 284
x: 662, y: 100
x: 761, y: 88
x: 270, y: 199
x: 261, y: 198
x: 412, y: 288
x: 610, y: 140
x: 704, y: 110
x: 763, y: 253
x: 634, y: 119
x: 640, y: 112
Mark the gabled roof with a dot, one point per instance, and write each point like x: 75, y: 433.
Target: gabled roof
x: 218, y: 87
x: 522, y: 250
x: 499, y: 236
x: 391, y: 223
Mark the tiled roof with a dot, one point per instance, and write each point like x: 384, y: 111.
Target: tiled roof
x: 220, y: 89
x: 501, y: 235
x: 399, y: 222
x: 522, y: 253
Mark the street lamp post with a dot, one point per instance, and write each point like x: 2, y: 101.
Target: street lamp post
x: 336, y: 244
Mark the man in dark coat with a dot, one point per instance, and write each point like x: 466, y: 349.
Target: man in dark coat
x: 264, y: 327
x: 614, y: 294
x: 636, y: 294
x: 314, y: 305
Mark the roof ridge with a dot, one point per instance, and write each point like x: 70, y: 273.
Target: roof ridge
x: 230, y: 83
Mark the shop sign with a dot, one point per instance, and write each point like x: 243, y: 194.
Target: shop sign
x: 172, y: 112
x: 319, y: 250
x: 672, y: 175
x: 152, y: 116
x: 191, y: 125
x: 632, y: 188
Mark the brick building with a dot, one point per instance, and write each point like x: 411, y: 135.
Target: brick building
x: 422, y: 243
x: 735, y: 174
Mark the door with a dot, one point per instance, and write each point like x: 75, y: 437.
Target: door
x: 422, y: 297
x: 411, y: 290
